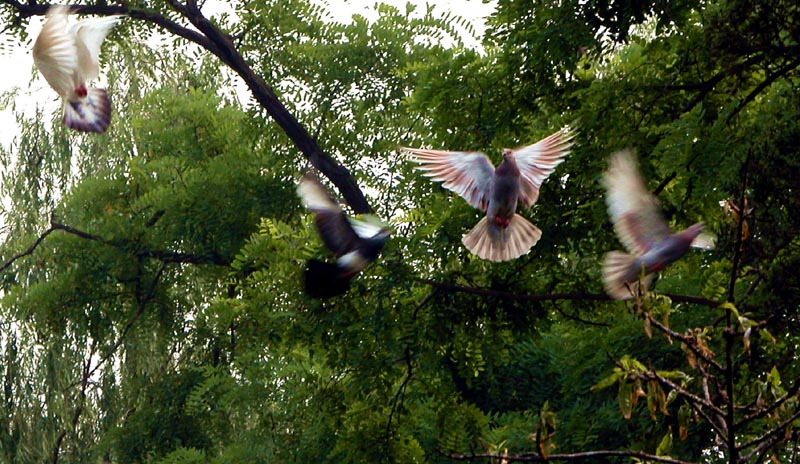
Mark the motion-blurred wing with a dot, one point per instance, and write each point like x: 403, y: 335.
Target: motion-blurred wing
x: 634, y: 211
x: 89, y: 36
x: 536, y: 162
x: 54, y: 52
x: 332, y: 224
x: 468, y: 174
x: 367, y: 228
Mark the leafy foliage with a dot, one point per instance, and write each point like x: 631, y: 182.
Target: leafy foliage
x: 151, y: 300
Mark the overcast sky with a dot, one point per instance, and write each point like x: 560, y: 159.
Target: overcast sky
x: 17, y: 63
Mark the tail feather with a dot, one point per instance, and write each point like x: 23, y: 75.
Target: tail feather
x: 492, y: 243
x: 621, y: 276
x: 89, y: 114
x: 325, y: 280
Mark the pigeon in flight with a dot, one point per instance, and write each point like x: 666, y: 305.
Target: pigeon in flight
x: 68, y: 57
x: 355, y: 243
x: 501, y: 235
x: 641, y: 229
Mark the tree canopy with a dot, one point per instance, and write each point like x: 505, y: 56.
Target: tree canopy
x: 152, y: 306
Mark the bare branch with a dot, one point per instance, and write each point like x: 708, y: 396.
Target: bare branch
x: 27, y: 252
x: 790, y: 393
x: 585, y: 456
x: 770, y: 438
x: 690, y: 397
x: 688, y: 341
x: 165, y: 256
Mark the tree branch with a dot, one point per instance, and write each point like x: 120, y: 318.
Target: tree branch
x: 686, y: 340
x: 682, y: 392
x: 165, y: 256
x: 219, y: 44
x: 27, y: 252
x: 770, y: 438
x: 790, y: 393
x: 584, y: 456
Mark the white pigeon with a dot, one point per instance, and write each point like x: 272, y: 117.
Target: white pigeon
x: 68, y: 58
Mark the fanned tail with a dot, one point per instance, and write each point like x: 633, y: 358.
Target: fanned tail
x: 91, y: 113
x: 493, y: 243
x: 325, y: 280
x: 621, y: 276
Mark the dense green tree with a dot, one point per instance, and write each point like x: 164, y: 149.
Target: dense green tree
x: 151, y: 300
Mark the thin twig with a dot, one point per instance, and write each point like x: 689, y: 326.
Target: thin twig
x: 688, y: 341
x: 768, y: 439
x: 584, y: 456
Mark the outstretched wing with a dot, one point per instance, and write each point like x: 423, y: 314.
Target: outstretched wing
x: 54, y: 52
x: 469, y: 174
x: 89, y: 36
x: 536, y: 162
x: 332, y: 224
x: 633, y: 209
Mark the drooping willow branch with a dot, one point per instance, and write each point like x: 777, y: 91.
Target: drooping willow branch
x: 208, y: 36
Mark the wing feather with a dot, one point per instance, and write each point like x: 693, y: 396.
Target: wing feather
x: 468, y: 174
x: 89, y: 36
x: 332, y: 224
x: 536, y: 162
x: 633, y: 209
x: 54, y: 52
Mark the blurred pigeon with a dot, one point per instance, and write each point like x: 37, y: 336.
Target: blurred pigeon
x: 641, y: 229
x: 355, y: 243
x: 67, y: 58
x: 501, y: 235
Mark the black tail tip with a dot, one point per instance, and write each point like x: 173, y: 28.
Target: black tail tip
x: 324, y: 280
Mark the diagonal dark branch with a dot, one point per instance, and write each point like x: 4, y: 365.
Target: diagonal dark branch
x: 211, y: 38
x: 165, y: 256
x: 688, y: 341
x: 265, y: 96
x: 774, y: 435
x: 27, y: 252
x: 790, y: 394
x: 763, y: 85
x: 690, y: 397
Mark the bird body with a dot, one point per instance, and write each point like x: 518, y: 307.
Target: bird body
x: 640, y: 227
x: 69, y: 57
x: 503, y: 234
x: 355, y: 243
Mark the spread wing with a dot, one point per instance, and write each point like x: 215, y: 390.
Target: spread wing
x: 634, y: 211
x: 55, y: 53
x: 90, y: 34
x: 536, y: 162
x: 469, y: 174
x: 332, y: 224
